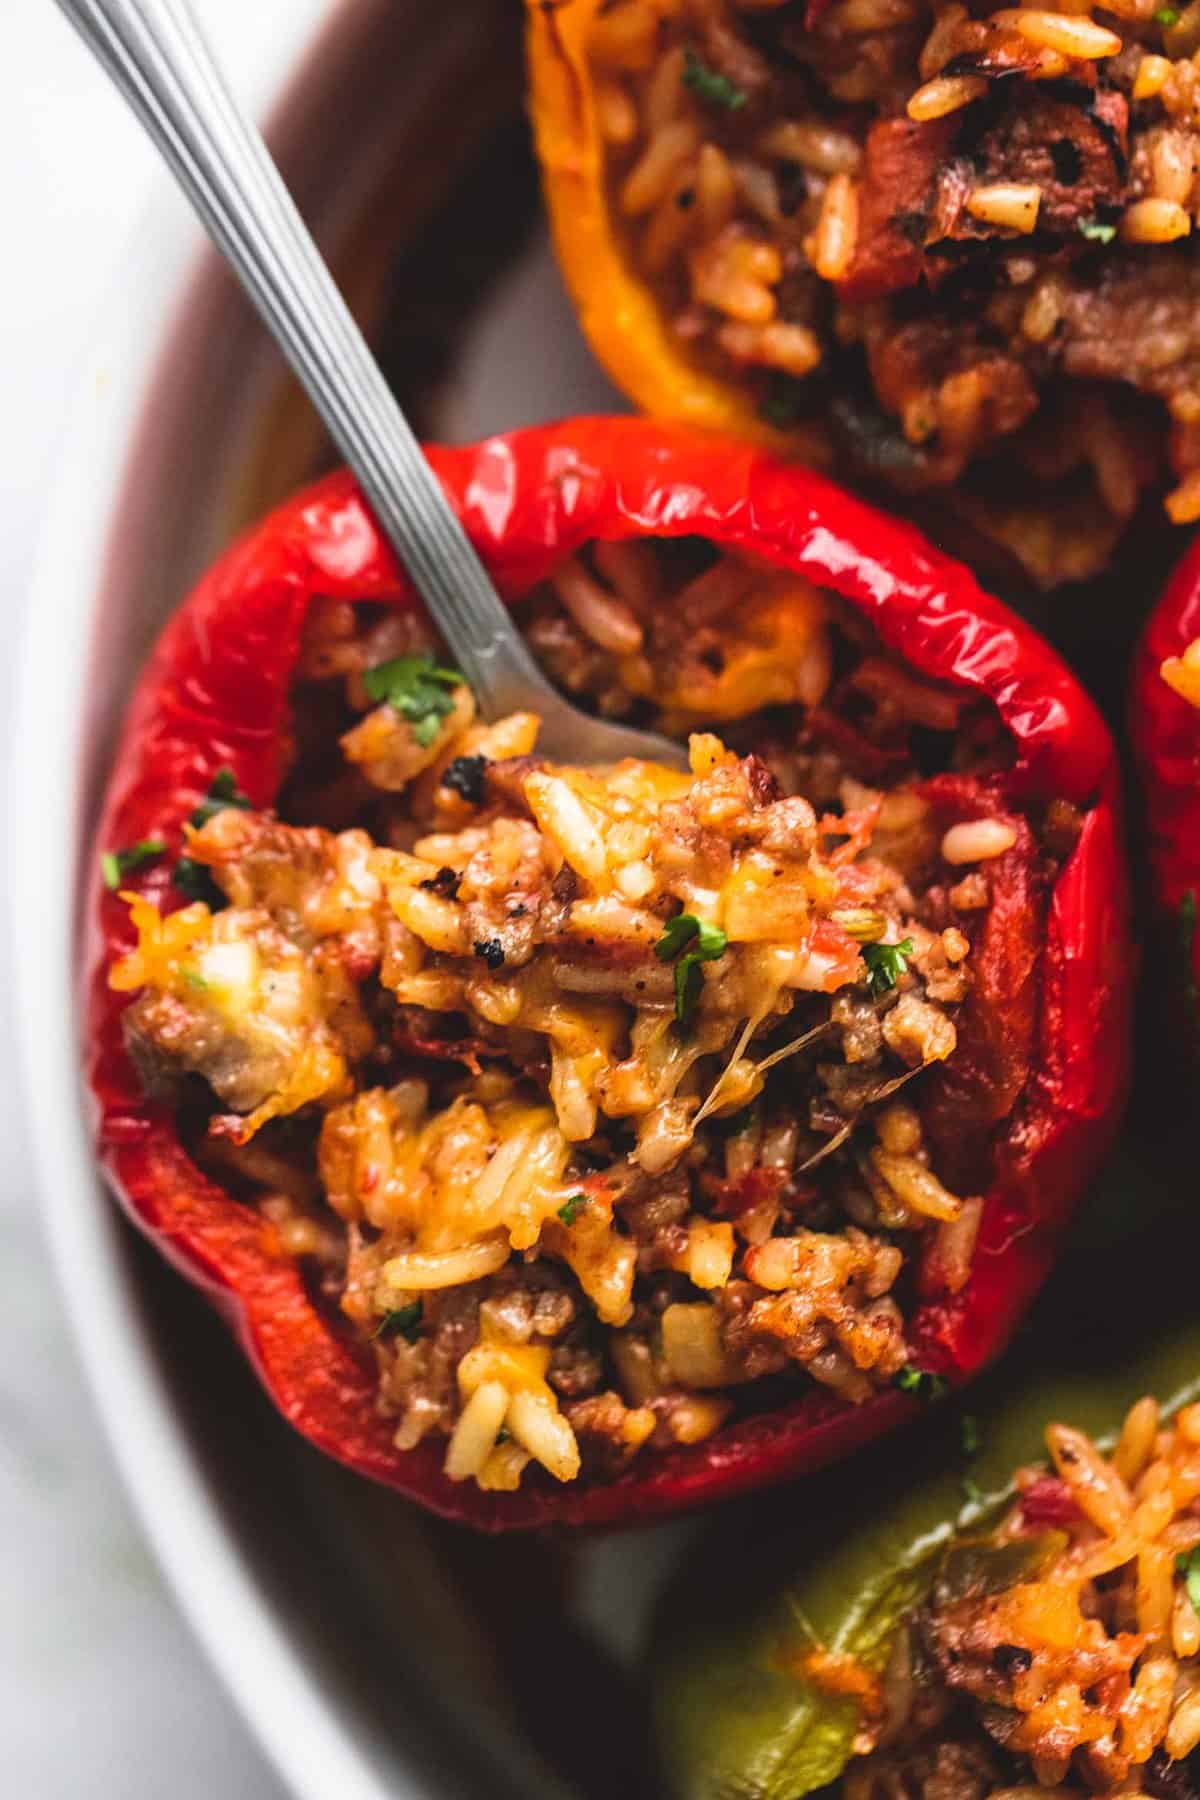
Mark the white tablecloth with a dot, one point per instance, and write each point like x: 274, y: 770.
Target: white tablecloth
x: 103, y: 1694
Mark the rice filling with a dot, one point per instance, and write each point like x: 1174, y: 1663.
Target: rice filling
x: 1060, y: 1652
x: 961, y: 237
x: 602, y: 1102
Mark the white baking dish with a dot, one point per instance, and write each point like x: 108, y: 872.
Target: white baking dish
x: 374, y: 1652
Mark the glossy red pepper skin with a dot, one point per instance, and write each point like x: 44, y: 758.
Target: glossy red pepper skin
x: 215, y: 693
x: 1166, y: 739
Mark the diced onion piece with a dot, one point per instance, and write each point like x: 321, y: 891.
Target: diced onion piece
x: 474, y: 1436
x: 232, y: 970
x: 634, y: 1364
x: 774, y: 1265
x: 1155, y: 221
x: 537, y: 1424
x: 426, y: 1269
x: 708, y: 1259
x: 636, y: 880
x: 697, y: 1417
x: 691, y: 1341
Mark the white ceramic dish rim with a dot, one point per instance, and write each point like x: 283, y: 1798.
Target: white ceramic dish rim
x: 97, y: 461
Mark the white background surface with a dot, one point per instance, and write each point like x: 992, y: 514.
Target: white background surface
x: 103, y: 1694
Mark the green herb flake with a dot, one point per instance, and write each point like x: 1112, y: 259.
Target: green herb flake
x: 969, y: 1427
x: 1097, y: 231
x: 195, y: 880
x: 403, y: 1321
x: 1166, y: 16
x: 418, y: 689
x: 570, y: 1209
x: 707, y: 85
x: 688, y: 942
x: 886, y: 963
x: 972, y: 1491
x: 223, y: 792
x: 194, y: 979
x: 922, y: 1382
x: 116, y: 864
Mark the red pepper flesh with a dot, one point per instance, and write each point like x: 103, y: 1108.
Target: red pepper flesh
x: 215, y: 694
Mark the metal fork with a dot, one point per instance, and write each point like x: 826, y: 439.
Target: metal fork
x: 156, y: 54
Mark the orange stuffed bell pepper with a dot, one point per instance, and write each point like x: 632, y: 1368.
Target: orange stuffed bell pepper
x: 909, y: 243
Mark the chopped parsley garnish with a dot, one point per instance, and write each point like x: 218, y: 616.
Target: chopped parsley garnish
x: 467, y: 775
x: 116, y: 864
x: 972, y: 1491
x: 570, y: 1209
x: 1187, y: 1564
x: 404, y: 1321
x: 1166, y: 16
x: 886, y: 963
x: 922, y: 1382
x: 194, y: 978
x: 418, y: 689
x: 1097, y: 231
x: 194, y: 878
x: 688, y: 942
x: 223, y: 792
x: 710, y: 86
x: 1187, y: 942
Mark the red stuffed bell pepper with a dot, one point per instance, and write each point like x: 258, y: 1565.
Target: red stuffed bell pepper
x: 582, y: 1148
x: 1166, y: 735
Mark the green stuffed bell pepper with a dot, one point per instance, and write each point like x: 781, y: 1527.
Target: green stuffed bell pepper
x: 980, y: 1619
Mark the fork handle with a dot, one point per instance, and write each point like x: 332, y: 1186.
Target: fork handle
x: 156, y: 53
